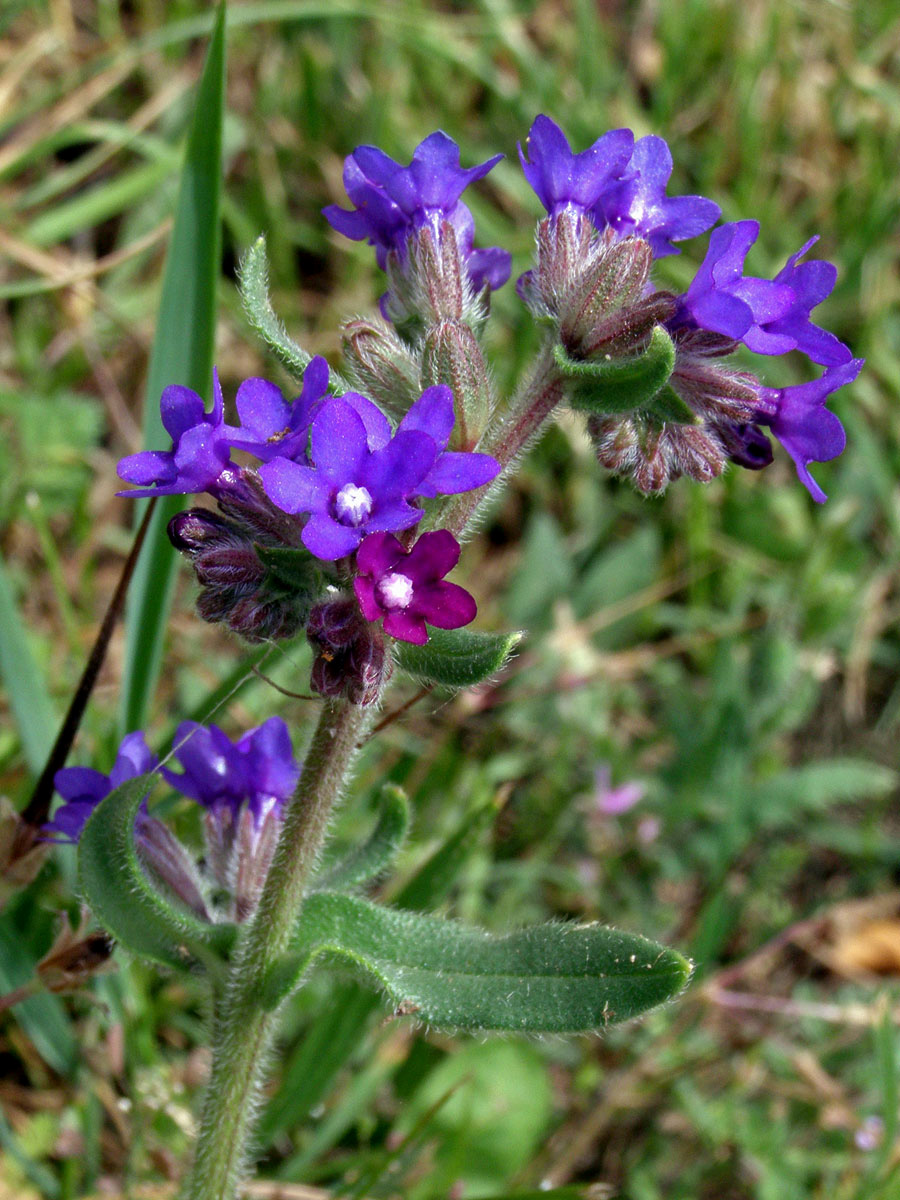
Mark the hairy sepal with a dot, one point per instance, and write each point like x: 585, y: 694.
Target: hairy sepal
x: 124, y: 900
x: 457, y: 658
x: 557, y: 978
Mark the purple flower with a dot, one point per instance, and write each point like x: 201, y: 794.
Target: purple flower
x: 811, y: 283
x: 200, y: 458
x: 805, y: 427
x: 637, y: 204
x: 407, y: 587
x: 393, y: 202
x: 258, y: 771
x: 362, y: 478
x: 453, y: 471
x: 722, y: 299
x: 561, y: 179
x: 270, y: 426
x: 768, y: 316
x: 83, y: 788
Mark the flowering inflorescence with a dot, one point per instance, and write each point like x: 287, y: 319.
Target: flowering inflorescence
x: 608, y: 218
x: 242, y: 788
x: 321, y: 533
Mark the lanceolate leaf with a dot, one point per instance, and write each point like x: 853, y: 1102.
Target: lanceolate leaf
x: 121, y: 896
x: 457, y: 658
x: 254, y: 277
x: 549, y: 978
x: 369, y: 859
x: 182, y: 353
x: 620, y: 385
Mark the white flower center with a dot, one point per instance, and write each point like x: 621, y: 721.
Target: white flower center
x: 352, y: 504
x: 395, y: 590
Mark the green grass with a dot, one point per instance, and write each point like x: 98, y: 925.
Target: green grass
x: 735, y: 647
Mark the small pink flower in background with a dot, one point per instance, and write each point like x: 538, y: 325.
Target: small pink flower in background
x: 648, y: 830
x: 613, y: 801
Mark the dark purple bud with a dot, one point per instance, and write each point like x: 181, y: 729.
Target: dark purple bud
x: 746, y: 445
x: 350, y: 658
x: 241, y: 588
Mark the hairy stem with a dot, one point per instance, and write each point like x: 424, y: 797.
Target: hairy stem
x: 509, y: 439
x: 244, y: 1031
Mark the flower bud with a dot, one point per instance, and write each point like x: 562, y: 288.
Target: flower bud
x: 381, y: 365
x: 350, y: 658
x: 452, y: 356
x: 164, y: 856
x: 240, y: 588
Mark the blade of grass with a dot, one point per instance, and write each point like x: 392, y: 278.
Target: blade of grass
x: 27, y: 695
x: 182, y: 353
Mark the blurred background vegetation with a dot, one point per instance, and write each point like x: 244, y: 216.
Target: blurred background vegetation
x: 734, y: 648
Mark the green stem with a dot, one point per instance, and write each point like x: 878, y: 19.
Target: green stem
x: 510, y: 439
x: 244, y: 1031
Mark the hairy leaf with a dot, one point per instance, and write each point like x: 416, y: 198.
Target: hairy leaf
x: 254, y: 277
x: 548, y: 978
x: 369, y: 859
x: 622, y: 385
x: 122, y: 897
x: 457, y: 658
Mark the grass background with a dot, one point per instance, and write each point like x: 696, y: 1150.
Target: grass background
x: 734, y: 647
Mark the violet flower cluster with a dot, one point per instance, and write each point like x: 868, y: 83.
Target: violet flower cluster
x: 321, y: 534
x: 333, y: 476
x: 242, y: 788
x: 610, y: 202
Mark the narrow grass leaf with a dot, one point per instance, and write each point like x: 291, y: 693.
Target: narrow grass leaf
x: 27, y: 695
x: 182, y: 353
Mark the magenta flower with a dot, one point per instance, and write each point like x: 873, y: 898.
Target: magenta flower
x: 407, y: 587
x: 200, y: 458
x: 613, y: 801
x: 393, y: 202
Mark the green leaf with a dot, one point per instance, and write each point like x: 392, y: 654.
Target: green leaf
x: 621, y: 385
x: 457, y: 658
x: 369, y: 859
x: 27, y: 695
x: 182, y: 353
x: 545, y: 979
x: 254, y: 286
x: 125, y: 902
